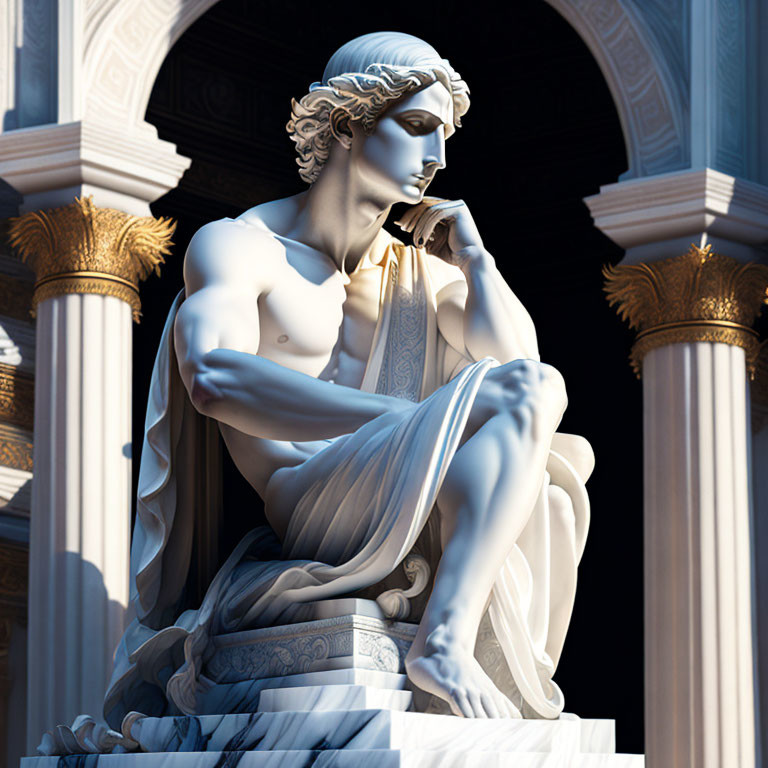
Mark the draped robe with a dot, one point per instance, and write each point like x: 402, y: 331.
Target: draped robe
x: 365, y: 499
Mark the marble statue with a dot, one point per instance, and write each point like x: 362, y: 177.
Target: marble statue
x: 386, y: 401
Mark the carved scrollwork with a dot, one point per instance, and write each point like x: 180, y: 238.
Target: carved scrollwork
x: 699, y: 296
x: 80, y: 248
x: 395, y: 603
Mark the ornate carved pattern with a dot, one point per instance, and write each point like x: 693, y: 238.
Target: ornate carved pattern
x: 639, y: 79
x: 311, y: 647
x: 15, y: 448
x: 17, y: 397
x: 699, y: 296
x: 80, y: 248
x: 731, y: 91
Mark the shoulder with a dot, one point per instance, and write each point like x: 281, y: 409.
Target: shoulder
x: 231, y: 250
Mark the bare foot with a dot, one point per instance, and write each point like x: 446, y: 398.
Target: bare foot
x: 447, y: 670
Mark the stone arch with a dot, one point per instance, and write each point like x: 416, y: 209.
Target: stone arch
x: 651, y: 111
x: 126, y: 42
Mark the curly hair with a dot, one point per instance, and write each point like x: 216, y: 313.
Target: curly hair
x: 326, y: 111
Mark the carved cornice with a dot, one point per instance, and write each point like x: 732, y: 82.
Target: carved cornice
x: 15, y: 448
x: 17, y: 397
x: 699, y: 296
x: 80, y: 248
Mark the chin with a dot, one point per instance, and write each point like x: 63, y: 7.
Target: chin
x: 412, y: 194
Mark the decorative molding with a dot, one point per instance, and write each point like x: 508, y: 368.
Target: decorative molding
x: 699, y: 296
x: 681, y: 206
x: 651, y: 110
x: 17, y: 397
x: 313, y: 646
x: 15, y: 448
x: 80, y: 248
x: 124, y: 166
x: 125, y: 43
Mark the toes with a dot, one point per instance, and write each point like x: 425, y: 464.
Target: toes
x: 477, y: 705
x: 490, y: 706
x: 463, y: 707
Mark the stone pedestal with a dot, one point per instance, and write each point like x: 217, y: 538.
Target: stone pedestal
x: 336, y: 696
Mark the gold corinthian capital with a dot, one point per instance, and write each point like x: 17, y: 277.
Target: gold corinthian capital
x: 80, y: 248
x: 699, y: 296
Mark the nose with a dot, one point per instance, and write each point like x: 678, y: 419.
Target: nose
x: 434, y: 158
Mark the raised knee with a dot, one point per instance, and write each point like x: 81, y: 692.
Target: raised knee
x: 541, y: 380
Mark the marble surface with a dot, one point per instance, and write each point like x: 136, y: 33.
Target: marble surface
x: 321, y: 698
x: 243, y: 696
x: 339, y: 759
x: 367, y: 729
x: 340, y: 642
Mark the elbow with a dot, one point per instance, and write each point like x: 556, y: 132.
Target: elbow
x: 201, y: 386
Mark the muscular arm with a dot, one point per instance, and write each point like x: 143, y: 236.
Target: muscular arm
x: 479, y: 315
x: 228, y: 266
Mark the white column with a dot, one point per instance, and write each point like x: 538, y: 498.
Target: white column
x: 79, y: 536
x: 699, y: 708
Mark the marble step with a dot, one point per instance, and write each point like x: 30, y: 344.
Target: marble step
x: 244, y: 696
x: 352, y: 758
x: 370, y: 729
x: 322, y: 698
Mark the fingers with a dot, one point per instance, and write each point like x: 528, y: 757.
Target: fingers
x: 409, y: 218
x: 425, y: 226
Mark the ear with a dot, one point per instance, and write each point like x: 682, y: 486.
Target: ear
x: 341, y: 128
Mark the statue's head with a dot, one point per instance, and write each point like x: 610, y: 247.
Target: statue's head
x: 367, y: 77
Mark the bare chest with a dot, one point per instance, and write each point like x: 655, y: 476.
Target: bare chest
x: 312, y: 322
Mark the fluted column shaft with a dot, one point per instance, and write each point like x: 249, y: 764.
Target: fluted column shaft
x: 695, y: 350
x: 700, y: 708
x: 88, y: 262
x: 80, y: 516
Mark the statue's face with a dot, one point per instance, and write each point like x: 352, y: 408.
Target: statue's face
x: 407, y: 147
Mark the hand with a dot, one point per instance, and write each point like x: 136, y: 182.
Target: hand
x: 446, y: 228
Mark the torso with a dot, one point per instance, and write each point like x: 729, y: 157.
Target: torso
x: 315, y: 320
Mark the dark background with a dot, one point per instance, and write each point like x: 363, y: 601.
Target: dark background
x: 542, y: 133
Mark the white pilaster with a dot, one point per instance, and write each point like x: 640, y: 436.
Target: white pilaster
x: 699, y: 709
x: 79, y: 536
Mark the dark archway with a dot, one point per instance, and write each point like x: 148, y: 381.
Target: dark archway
x: 542, y: 133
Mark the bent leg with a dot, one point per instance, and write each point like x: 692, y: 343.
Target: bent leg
x: 486, y: 500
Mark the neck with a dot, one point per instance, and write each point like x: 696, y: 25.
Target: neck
x: 337, y: 215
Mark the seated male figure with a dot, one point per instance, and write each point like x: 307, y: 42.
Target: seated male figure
x: 294, y: 336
